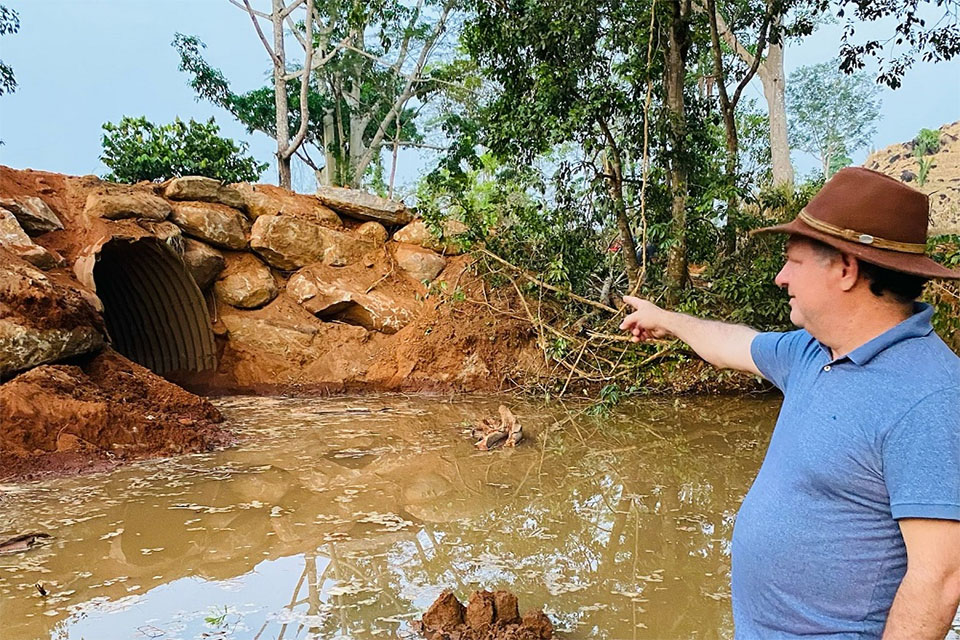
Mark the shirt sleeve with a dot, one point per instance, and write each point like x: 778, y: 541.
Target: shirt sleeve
x: 775, y: 354
x: 921, y: 459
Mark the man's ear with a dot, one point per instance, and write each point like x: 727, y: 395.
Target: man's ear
x: 849, y: 271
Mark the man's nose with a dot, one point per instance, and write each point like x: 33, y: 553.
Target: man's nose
x: 781, y: 279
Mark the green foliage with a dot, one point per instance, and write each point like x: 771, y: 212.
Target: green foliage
x: 610, y: 396
x: 9, y: 24
x: 831, y: 114
x: 926, y: 142
x: 135, y: 150
x: 945, y: 295
x: 923, y: 170
x: 838, y: 162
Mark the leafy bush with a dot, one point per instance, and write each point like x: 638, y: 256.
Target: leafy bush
x: 136, y: 150
x: 945, y: 295
x: 926, y: 142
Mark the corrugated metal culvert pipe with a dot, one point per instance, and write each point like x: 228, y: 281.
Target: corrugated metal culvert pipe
x: 154, y: 311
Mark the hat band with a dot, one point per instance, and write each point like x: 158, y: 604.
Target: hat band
x: 861, y: 238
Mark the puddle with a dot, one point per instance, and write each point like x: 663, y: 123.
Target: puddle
x: 346, y: 518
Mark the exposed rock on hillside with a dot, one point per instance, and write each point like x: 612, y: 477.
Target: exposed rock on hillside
x: 417, y: 233
x: 43, y: 318
x: 33, y: 214
x: 214, y: 223
x: 348, y: 297
x: 942, y: 182
x: 115, y: 202
x: 364, y: 206
x: 203, y: 261
x: 245, y: 283
x: 204, y: 190
x: 14, y: 239
x: 268, y: 200
x: 421, y: 264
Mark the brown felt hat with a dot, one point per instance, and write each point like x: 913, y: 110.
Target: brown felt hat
x: 873, y: 217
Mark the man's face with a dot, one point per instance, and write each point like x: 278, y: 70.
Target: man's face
x: 808, y: 276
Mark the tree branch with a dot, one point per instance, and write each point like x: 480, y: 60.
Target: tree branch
x: 304, y: 85
x: 256, y: 25
x: 408, y: 91
x: 290, y: 9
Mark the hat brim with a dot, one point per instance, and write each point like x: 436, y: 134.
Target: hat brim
x: 912, y: 263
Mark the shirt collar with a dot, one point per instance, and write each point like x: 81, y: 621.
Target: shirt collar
x: 915, y: 326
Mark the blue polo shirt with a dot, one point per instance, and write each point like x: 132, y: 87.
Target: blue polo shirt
x: 861, y: 441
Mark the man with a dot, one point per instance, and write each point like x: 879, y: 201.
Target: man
x: 852, y: 526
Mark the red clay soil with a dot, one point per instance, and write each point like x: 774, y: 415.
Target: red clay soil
x: 487, y: 616
x: 60, y: 419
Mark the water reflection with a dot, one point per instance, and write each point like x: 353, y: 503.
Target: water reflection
x: 346, y: 517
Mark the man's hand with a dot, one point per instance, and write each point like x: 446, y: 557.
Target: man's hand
x: 726, y: 346
x: 645, y: 323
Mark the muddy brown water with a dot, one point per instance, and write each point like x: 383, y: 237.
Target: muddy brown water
x: 346, y: 517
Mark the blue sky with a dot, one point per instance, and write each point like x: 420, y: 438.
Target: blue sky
x: 80, y: 63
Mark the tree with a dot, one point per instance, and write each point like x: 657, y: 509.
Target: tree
x: 584, y: 71
x: 135, y: 150
x: 287, y: 141
x: 832, y: 114
x: 9, y: 24
x: 916, y: 40
x: 369, y: 78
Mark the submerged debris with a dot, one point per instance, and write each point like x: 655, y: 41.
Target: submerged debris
x: 23, y: 542
x: 490, y: 434
x: 487, y: 616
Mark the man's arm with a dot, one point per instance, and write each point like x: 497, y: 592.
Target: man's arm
x: 726, y: 346
x: 927, y: 599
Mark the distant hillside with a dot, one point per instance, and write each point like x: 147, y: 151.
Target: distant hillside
x: 942, y: 182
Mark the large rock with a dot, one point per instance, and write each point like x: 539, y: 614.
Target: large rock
x: 328, y: 294
x: 420, y: 264
x: 43, y: 318
x: 33, y: 214
x: 204, y: 190
x: 115, y: 202
x: 288, y: 242
x: 268, y: 200
x: 166, y: 232
x: 217, y: 224
x: 364, y: 206
x: 417, y: 233
x: 203, y: 262
x: 287, y: 339
x: 14, y: 239
x: 373, y: 232
x: 245, y: 283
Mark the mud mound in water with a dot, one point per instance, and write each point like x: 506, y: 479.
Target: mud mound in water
x: 487, y: 616
x: 66, y: 418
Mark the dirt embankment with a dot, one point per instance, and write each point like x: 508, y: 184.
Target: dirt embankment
x: 96, y: 414
x: 220, y: 288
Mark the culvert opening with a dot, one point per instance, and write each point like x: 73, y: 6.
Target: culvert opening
x: 154, y: 311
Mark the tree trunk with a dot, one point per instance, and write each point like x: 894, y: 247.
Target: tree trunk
x: 280, y: 97
x: 675, y: 74
x: 727, y: 108
x: 614, y: 170
x: 773, y: 79
x: 327, y: 177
